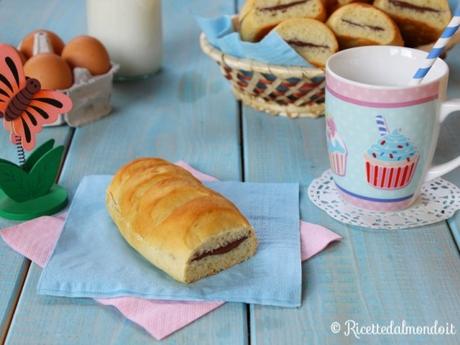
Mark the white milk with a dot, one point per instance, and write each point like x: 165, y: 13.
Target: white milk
x: 131, y: 32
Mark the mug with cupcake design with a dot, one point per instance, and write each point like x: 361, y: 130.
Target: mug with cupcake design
x: 382, y: 133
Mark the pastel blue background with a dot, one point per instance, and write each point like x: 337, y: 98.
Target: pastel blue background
x: 357, y: 127
x: 91, y: 258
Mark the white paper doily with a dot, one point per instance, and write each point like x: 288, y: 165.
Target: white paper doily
x: 439, y: 201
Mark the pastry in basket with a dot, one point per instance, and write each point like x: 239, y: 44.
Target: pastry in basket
x: 258, y: 17
x: 361, y: 24
x: 332, y: 5
x: 421, y: 21
x: 312, y: 39
x: 175, y: 222
x: 346, y: 2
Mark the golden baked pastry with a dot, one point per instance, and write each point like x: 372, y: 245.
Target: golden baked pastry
x: 310, y: 38
x: 258, y: 17
x: 420, y: 21
x: 175, y: 222
x: 360, y: 24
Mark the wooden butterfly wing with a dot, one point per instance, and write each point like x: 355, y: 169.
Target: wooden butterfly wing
x: 21, y: 128
x: 12, y: 78
x: 45, y: 108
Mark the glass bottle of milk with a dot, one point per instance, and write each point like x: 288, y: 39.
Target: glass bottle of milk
x: 131, y: 32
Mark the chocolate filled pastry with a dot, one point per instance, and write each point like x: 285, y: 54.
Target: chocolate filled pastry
x: 360, y: 24
x: 175, y: 222
x: 331, y: 5
x: 420, y: 21
x: 310, y: 38
x: 346, y: 2
x: 258, y: 17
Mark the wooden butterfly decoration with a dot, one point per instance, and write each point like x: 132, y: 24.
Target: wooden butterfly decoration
x: 24, y: 106
x: 28, y: 190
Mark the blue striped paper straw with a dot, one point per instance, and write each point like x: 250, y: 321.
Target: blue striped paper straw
x: 381, y: 125
x: 438, y: 48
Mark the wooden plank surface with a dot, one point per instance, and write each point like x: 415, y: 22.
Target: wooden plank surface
x: 187, y: 112
x: 371, y: 276
x: 41, y: 320
x: 14, y: 266
x: 18, y: 18
x: 449, y: 140
x: 184, y: 112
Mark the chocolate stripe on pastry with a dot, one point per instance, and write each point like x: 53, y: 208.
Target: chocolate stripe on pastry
x: 306, y: 44
x: 221, y: 250
x: 403, y: 4
x: 284, y: 6
x: 372, y: 27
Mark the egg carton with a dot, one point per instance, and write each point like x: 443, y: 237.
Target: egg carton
x: 90, y: 94
x: 90, y: 97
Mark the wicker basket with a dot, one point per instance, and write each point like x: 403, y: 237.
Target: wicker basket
x: 275, y: 89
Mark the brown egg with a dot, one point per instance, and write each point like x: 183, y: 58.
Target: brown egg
x: 50, y: 69
x: 22, y: 56
x: 27, y: 44
x: 87, y: 52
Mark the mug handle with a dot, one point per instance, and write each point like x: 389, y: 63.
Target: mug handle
x: 447, y: 108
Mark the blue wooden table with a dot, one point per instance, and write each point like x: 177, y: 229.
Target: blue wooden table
x: 187, y: 112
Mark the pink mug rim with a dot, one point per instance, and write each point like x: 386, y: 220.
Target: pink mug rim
x: 340, y: 54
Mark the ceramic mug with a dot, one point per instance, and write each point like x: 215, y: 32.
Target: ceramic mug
x: 382, y: 133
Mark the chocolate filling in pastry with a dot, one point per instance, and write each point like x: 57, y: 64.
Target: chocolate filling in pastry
x: 221, y: 250
x: 306, y: 44
x: 284, y: 6
x: 403, y: 4
x: 372, y: 27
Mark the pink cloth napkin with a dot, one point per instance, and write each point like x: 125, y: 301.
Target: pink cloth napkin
x: 158, y: 318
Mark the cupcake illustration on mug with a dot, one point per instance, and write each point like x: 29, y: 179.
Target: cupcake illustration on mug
x: 391, y: 162
x: 337, y: 149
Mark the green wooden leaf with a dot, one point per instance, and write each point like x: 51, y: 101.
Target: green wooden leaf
x: 44, y: 171
x: 37, y: 154
x: 14, y: 182
x: 6, y: 161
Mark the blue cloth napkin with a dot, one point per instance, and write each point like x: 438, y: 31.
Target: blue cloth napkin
x: 91, y: 259
x: 271, y: 49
